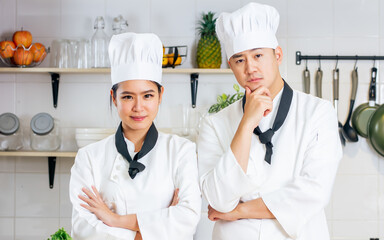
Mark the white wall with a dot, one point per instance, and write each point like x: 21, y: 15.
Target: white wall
x: 30, y: 210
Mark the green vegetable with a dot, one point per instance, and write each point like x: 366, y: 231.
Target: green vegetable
x: 61, y: 234
x: 224, y: 100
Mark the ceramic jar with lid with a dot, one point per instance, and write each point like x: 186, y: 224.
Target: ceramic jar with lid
x: 11, y: 137
x: 45, y: 133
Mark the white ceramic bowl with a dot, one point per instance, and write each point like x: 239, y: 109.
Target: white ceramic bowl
x: 95, y: 136
x: 95, y: 130
x: 82, y: 143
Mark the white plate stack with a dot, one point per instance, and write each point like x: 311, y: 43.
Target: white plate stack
x: 85, y: 136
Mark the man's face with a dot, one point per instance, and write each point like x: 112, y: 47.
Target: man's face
x: 257, y: 67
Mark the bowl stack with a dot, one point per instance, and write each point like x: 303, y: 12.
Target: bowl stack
x: 85, y: 136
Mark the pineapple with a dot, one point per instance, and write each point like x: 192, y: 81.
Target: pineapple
x: 208, y: 48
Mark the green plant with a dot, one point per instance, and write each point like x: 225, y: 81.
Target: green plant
x: 224, y: 100
x: 61, y: 234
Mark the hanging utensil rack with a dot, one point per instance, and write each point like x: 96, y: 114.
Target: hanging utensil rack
x: 300, y: 57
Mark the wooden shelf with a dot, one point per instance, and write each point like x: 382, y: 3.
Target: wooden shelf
x: 108, y: 70
x: 36, y: 154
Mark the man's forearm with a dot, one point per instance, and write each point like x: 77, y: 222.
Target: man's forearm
x: 255, y: 209
x: 241, y: 144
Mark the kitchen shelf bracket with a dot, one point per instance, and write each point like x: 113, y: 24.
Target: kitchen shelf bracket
x: 194, y: 83
x: 51, y: 170
x: 55, y: 77
x: 300, y: 57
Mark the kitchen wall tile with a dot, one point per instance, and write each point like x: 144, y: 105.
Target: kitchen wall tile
x: 310, y: 18
x: 7, y: 164
x: 355, y: 197
x: 7, y: 91
x: 83, y: 14
x: 66, y: 223
x: 34, y: 198
x: 216, y: 6
x: 355, y: 229
x: 7, y: 227
x: 65, y: 203
x: 137, y: 13
x: 28, y: 104
x: 32, y: 165
x: 360, y: 18
x: 35, y: 228
x: 282, y: 7
x: 7, y: 198
x: 65, y: 165
x: 40, y: 17
x: 92, y: 98
x: 204, y: 228
x: 7, y: 19
x: 381, y: 196
x: 358, y: 159
x: 7, y: 78
x: 308, y: 46
x: 173, y: 18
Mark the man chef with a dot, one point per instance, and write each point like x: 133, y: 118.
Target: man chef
x: 267, y: 163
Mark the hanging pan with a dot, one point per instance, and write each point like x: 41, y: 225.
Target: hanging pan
x: 363, y: 113
x: 376, y: 130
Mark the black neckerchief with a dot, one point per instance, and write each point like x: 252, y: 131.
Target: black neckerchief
x: 282, y: 112
x: 149, y: 142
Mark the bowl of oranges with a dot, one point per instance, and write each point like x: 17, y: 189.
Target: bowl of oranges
x: 21, y: 51
x: 174, y: 56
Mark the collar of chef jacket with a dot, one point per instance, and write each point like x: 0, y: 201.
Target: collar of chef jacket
x: 149, y: 142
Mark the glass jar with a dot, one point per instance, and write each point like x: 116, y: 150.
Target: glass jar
x: 45, y: 133
x: 119, y: 25
x: 11, y: 137
x: 99, y: 45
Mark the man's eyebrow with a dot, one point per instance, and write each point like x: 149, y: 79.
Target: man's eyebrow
x: 240, y: 55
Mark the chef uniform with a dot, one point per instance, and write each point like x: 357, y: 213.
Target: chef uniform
x: 293, y: 172
x: 140, y: 183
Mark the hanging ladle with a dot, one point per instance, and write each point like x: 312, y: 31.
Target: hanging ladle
x: 336, y: 100
x: 350, y: 133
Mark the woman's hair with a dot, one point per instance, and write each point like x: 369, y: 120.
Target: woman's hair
x: 116, y: 86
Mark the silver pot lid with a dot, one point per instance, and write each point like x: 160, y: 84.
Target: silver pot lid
x: 42, y: 123
x: 9, y: 123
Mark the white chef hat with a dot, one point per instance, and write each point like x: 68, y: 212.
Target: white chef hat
x: 135, y: 56
x: 252, y: 26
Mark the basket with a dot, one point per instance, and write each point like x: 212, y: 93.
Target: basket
x: 174, y: 56
x: 23, y: 57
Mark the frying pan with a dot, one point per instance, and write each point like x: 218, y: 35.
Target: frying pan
x: 362, y: 114
x: 376, y: 130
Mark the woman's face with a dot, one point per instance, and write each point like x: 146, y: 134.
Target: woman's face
x: 137, y: 103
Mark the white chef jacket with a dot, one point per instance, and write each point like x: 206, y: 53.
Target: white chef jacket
x: 169, y: 165
x: 297, y: 185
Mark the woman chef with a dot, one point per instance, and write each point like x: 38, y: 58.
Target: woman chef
x: 268, y: 162
x: 138, y: 183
